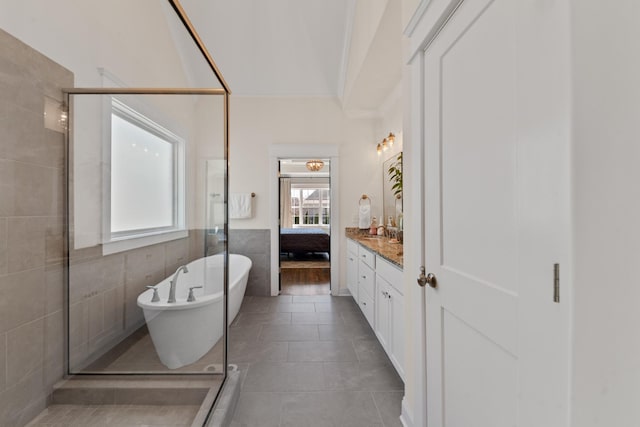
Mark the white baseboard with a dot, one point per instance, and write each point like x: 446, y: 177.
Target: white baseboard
x: 405, y: 416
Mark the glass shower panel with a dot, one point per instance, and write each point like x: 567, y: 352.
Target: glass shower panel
x: 147, y: 255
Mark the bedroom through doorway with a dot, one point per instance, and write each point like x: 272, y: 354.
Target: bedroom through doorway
x: 305, y: 227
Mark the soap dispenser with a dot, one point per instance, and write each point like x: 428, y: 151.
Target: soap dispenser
x: 373, y: 230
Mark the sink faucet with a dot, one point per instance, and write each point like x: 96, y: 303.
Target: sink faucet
x: 174, y: 282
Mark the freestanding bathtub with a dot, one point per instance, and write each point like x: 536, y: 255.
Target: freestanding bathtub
x: 183, y: 332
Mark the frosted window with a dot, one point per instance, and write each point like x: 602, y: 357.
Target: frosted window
x: 143, y: 178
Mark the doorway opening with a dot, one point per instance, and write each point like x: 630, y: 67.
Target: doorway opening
x: 304, y: 226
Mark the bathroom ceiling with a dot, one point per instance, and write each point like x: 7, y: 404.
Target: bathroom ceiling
x: 277, y: 47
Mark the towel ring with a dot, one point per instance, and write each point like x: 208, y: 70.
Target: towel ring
x: 366, y: 198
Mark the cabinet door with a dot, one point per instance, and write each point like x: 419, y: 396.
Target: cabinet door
x: 382, y: 312
x: 395, y: 347
x: 352, y: 275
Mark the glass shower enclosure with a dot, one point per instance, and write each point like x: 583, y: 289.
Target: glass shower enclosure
x: 147, y: 151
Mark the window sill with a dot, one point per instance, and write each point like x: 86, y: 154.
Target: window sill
x: 129, y: 243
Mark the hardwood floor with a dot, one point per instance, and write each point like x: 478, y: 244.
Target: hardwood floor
x: 305, y: 281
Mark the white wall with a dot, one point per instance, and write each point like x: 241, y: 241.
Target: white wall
x: 258, y: 122
x: 606, y: 152
x: 82, y: 36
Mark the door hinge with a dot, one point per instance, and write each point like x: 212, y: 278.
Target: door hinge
x: 556, y: 282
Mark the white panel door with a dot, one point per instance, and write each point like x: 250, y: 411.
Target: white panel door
x: 497, y: 343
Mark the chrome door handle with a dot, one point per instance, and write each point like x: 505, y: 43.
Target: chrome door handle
x: 429, y: 279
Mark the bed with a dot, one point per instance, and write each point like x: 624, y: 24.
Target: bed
x: 303, y: 240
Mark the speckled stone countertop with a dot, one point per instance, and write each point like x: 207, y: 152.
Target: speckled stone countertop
x: 392, y: 252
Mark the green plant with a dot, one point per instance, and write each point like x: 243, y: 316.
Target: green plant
x: 395, y: 176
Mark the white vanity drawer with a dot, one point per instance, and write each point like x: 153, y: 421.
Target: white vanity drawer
x: 390, y: 273
x: 366, y: 305
x: 352, y: 247
x: 366, y: 279
x: 367, y: 257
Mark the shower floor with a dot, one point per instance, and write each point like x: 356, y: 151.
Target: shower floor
x: 137, y: 355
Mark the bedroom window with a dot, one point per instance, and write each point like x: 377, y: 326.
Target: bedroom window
x: 310, y: 206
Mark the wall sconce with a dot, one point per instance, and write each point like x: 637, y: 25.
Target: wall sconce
x: 315, y: 165
x: 391, y: 139
x: 386, y: 143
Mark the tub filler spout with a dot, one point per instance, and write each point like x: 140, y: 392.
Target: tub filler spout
x: 174, y: 281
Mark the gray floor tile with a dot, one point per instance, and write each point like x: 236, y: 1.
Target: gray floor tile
x: 289, y: 376
x: 311, y: 298
x: 258, y: 410
x: 315, y: 318
x: 323, y: 307
x: 253, y: 319
x: 389, y: 404
x: 370, y: 351
x: 344, y: 409
x: 361, y: 376
x: 256, y: 351
x: 304, y: 307
x: 321, y: 351
x: 289, y: 333
x: 339, y: 332
x: 353, y: 317
x: 244, y: 333
x: 256, y: 306
x: 339, y: 304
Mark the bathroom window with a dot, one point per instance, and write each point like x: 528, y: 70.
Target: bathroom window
x: 147, y: 178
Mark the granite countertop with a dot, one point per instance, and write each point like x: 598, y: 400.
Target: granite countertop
x: 392, y: 252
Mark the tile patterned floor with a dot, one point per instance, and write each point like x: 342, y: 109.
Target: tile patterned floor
x: 306, y: 361
x: 311, y: 361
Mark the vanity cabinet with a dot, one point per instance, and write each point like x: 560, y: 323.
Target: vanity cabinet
x: 366, y: 283
x: 352, y: 268
x: 389, y: 308
x: 376, y: 286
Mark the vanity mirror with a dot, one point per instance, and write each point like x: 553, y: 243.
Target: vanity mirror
x: 392, y: 189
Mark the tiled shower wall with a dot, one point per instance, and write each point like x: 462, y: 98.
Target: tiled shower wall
x: 32, y: 162
x: 256, y: 245
x: 104, y: 290
x: 32, y: 255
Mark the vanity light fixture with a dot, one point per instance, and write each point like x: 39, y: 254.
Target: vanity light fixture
x: 386, y: 143
x: 315, y: 165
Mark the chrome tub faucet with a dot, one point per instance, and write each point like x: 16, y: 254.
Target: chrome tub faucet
x: 174, y: 282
